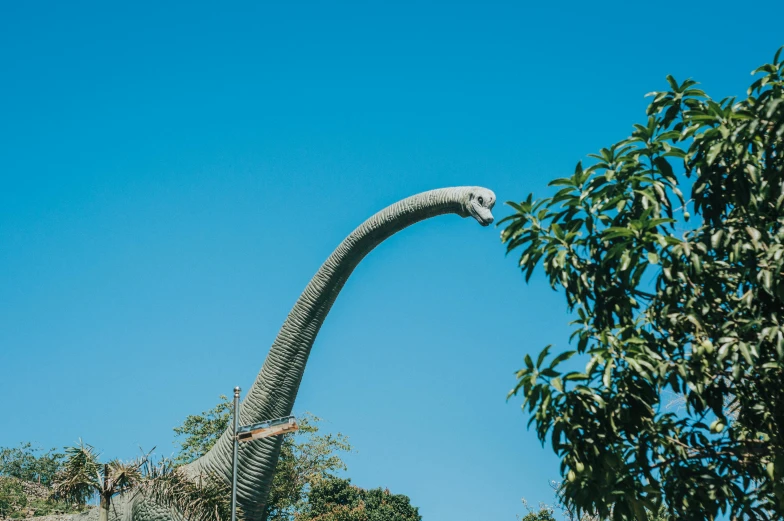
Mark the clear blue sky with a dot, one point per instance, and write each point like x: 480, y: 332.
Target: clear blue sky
x: 173, y: 176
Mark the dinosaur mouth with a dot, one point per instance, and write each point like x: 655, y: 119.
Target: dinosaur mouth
x: 482, y: 215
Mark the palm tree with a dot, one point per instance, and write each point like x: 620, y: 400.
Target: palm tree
x: 196, y: 499
x: 83, y: 475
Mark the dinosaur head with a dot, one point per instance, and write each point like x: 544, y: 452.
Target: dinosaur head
x: 478, y: 202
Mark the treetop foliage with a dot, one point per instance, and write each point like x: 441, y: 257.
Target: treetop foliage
x: 668, y: 303
x: 30, y: 463
x: 200, y: 432
x: 306, y: 458
x: 336, y: 499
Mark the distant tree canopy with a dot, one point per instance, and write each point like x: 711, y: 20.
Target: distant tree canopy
x: 667, y: 305
x: 29, y: 463
x: 335, y: 499
x: 199, y: 432
x: 541, y: 515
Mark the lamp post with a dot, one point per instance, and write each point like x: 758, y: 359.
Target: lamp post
x: 236, y: 454
x: 256, y: 431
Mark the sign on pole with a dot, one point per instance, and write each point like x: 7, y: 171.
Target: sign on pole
x: 267, y: 428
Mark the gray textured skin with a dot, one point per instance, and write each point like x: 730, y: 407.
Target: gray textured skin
x: 275, y: 389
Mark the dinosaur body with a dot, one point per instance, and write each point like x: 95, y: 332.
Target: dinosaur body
x: 275, y: 389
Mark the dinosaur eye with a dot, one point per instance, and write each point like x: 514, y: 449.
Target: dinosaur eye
x: 481, y: 201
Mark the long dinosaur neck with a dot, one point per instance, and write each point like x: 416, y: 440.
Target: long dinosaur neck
x: 275, y: 389
x: 292, y: 346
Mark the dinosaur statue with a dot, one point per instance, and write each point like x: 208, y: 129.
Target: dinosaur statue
x: 275, y: 389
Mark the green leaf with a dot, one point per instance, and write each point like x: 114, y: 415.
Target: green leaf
x: 744, y: 350
x: 566, y: 355
x: 716, y: 239
x: 753, y: 233
x: 625, y: 261
x: 713, y: 152
x: 607, y: 376
x: 543, y: 355
x: 664, y: 167
x: 613, y: 232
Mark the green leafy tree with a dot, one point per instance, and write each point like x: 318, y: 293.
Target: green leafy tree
x: 335, y: 499
x: 12, y: 496
x: 199, y: 432
x: 543, y: 514
x: 668, y: 303
x: 30, y: 464
x: 305, y: 458
x: 382, y: 505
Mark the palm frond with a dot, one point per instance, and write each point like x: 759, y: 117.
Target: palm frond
x: 123, y: 476
x: 196, y: 498
x: 80, y: 475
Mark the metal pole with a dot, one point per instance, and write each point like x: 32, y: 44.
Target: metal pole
x: 236, y: 454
